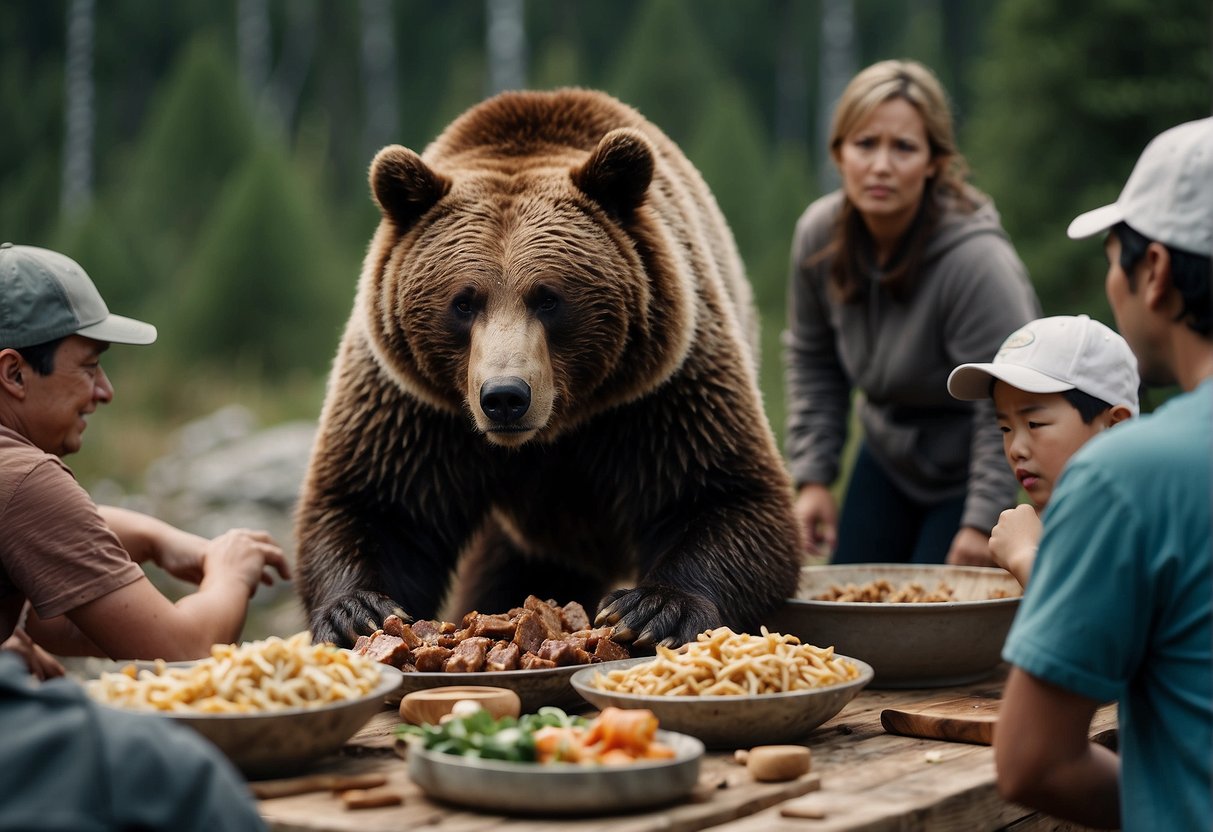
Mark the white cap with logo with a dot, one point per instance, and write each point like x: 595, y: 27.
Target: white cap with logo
x: 1050, y: 355
x: 1169, y: 195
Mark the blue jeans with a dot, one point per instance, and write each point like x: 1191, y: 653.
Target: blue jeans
x: 880, y: 524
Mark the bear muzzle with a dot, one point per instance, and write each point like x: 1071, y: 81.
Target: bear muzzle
x: 505, y: 400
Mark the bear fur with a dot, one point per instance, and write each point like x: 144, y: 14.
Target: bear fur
x: 548, y: 385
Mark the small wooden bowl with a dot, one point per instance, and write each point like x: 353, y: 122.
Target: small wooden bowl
x: 429, y: 706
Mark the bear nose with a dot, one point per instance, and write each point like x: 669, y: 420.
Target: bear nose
x: 505, y: 399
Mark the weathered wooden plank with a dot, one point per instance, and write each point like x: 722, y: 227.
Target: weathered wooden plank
x: 869, y: 780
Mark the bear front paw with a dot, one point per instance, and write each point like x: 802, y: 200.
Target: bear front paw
x: 650, y: 615
x: 346, y: 617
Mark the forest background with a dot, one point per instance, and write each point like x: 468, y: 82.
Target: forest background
x: 205, y: 160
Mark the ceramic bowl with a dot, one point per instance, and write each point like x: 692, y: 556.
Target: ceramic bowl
x: 280, y: 743
x: 535, y: 688
x: 558, y: 788
x: 734, y: 721
x: 908, y: 645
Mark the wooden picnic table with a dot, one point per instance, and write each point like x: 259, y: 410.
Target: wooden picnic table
x: 863, y: 778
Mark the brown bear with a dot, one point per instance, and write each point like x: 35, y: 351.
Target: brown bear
x: 548, y: 382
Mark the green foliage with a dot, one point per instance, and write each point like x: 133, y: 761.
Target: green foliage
x: 265, y: 289
x: 1066, y: 107
x: 665, y: 70
x: 730, y: 150
x: 199, y: 129
x: 31, y: 96
x: 242, y: 242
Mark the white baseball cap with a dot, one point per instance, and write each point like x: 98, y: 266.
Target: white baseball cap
x: 1169, y: 195
x: 1051, y: 355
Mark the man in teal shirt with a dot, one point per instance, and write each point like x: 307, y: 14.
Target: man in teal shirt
x: 1120, y: 602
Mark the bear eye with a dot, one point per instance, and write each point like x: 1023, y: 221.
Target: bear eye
x: 462, y: 305
x: 547, y: 302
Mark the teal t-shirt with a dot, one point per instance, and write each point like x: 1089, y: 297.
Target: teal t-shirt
x: 1120, y: 604
x: 70, y: 765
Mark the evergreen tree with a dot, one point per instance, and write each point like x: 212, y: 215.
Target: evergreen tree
x: 266, y: 291
x: 199, y: 130
x: 665, y: 69
x: 1066, y: 99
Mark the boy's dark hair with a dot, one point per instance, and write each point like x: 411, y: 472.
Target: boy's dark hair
x: 1191, y: 274
x: 1088, y: 406
x: 41, y: 356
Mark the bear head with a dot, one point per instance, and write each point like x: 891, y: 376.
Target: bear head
x: 528, y: 287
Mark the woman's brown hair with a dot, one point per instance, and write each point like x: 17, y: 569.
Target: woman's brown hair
x: 851, y: 242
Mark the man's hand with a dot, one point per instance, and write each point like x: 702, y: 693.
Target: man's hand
x: 244, y: 554
x: 40, y: 663
x: 970, y: 548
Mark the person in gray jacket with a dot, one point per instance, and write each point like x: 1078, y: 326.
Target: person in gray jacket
x: 897, y: 278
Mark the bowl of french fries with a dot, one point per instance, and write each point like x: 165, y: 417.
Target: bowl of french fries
x: 916, y: 625
x: 732, y: 690
x: 273, y: 706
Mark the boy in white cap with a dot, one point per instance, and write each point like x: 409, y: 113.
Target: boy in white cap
x: 70, y: 567
x: 1120, y: 605
x: 1056, y: 382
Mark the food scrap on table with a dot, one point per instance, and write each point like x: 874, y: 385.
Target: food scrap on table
x: 778, y: 763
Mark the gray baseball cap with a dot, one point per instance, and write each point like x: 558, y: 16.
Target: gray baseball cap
x: 45, y: 295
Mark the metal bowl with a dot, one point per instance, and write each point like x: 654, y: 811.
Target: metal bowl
x: 908, y: 645
x: 558, y: 788
x: 734, y: 721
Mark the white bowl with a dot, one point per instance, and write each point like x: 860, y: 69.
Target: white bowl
x: 734, y: 721
x: 908, y: 645
x: 557, y: 788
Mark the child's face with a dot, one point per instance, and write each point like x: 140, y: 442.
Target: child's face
x: 1040, y: 432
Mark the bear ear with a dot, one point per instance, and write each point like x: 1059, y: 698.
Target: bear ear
x: 404, y: 186
x: 618, y: 172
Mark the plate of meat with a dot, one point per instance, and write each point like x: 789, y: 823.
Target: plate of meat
x: 533, y: 650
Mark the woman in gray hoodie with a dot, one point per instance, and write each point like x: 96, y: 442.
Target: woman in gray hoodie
x: 897, y: 278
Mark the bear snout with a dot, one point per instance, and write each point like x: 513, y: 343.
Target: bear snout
x: 505, y: 399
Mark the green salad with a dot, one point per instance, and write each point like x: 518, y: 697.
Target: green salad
x: 478, y: 734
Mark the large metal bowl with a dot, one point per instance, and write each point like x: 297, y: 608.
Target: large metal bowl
x: 908, y: 645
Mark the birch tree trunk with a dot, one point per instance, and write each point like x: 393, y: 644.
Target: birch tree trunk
x: 76, y: 188
x: 377, y: 49
x: 838, y: 59
x: 506, y: 45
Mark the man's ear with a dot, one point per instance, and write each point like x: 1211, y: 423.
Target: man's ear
x: 12, y: 379
x: 1157, y: 287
